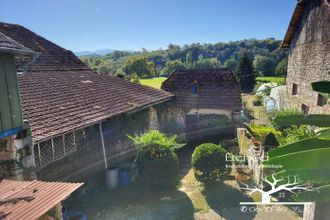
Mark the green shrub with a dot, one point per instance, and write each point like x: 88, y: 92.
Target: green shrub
x: 257, y: 101
x: 156, y: 162
x: 156, y: 166
x: 295, y: 133
x: 209, y: 161
x: 260, y: 132
x: 276, y: 114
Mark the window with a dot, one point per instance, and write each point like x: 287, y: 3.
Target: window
x: 304, y: 109
x: 194, y: 89
x: 294, y: 89
x: 321, y: 100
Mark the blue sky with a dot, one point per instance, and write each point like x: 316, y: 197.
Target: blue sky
x: 152, y: 24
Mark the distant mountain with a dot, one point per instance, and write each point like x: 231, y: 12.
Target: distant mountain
x: 100, y: 52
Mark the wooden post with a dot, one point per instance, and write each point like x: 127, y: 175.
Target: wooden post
x: 103, y: 147
x: 309, y: 211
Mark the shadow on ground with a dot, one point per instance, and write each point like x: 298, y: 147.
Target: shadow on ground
x: 225, y: 200
x: 136, y: 202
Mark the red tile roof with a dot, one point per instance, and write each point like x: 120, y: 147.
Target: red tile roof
x: 217, y: 88
x: 44, y: 195
x: 60, y: 93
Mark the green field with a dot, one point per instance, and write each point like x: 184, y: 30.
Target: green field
x: 154, y: 82
x: 271, y: 79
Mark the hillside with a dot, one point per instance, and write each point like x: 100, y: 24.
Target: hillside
x: 268, y: 58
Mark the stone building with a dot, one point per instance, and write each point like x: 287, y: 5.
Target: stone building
x: 308, y: 38
x: 79, y: 118
x: 206, y: 100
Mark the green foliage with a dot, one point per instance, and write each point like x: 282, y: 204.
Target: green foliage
x: 316, y: 119
x: 172, y: 66
x: 156, y: 166
x: 207, y: 63
x: 139, y: 65
x: 260, y: 132
x: 156, y: 139
x: 322, y: 87
x: 245, y: 73
x: 189, y: 61
x: 276, y: 114
x: 321, y: 195
x: 230, y: 64
x: 302, y: 145
x: 295, y: 133
x: 308, y: 159
x: 226, y: 53
x: 134, y: 78
x: 281, y: 68
x: 209, y: 161
x: 271, y: 79
x: 264, y: 66
x: 156, y: 162
x: 257, y: 101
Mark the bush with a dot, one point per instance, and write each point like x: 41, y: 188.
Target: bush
x: 260, y: 132
x: 295, y: 133
x: 209, y: 161
x: 157, y: 166
x: 287, y: 112
x: 257, y: 101
x: 156, y: 162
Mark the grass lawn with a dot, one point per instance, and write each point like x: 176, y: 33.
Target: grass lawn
x: 154, y: 82
x: 271, y: 79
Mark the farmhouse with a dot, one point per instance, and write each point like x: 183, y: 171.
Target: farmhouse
x: 308, y: 38
x: 204, y: 99
x: 79, y: 118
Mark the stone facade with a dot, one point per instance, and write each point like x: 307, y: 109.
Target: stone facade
x: 309, y: 58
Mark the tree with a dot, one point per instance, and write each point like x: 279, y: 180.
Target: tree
x: 207, y: 63
x: 189, y: 60
x: 245, y: 73
x: 230, y: 64
x: 172, y: 66
x: 139, y: 65
x: 264, y: 66
x: 281, y: 67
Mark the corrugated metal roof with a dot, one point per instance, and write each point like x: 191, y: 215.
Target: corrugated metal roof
x: 40, y: 197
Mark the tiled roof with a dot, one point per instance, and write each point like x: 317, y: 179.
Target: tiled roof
x: 8, y: 45
x: 59, y: 95
x: 217, y: 88
x: 52, y: 56
x: 55, y: 102
x: 39, y: 196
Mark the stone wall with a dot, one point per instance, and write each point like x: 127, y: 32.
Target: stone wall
x: 309, y: 57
